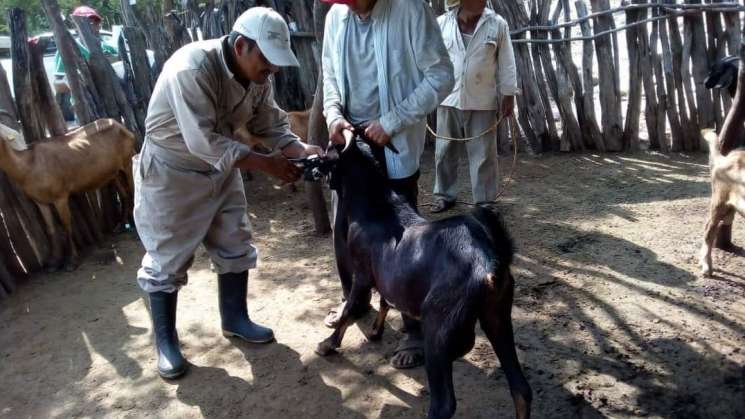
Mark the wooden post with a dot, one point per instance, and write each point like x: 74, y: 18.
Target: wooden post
x: 317, y: 133
x: 29, y: 240
x: 630, y: 137
x: 684, y: 88
x: 610, y: 96
x: 571, y: 138
x: 139, y: 106
x: 677, y: 123
x: 651, y: 114
x: 659, y: 84
x: 694, y: 24
x: 31, y: 123
x: 717, y: 46
x: 535, y: 118
x: 79, y: 79
x: 588, y: 97
x: 175, y: 31
x: 143, y: 74
x: 117, y: 106
x: 144, y: 17
x: 49, y: 111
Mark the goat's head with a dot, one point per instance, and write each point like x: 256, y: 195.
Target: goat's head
x: 723, y: 75
x: 357, y: 158
x: 12, y: 138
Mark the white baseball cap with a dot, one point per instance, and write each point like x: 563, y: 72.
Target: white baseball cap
x: 269, y: 30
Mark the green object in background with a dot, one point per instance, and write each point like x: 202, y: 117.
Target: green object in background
x: 59, y: 68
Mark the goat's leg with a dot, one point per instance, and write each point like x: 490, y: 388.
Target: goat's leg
x: 55, y: 259
x: 496, y: 321
x: 347, y: 317
x: 379, y: 325
x: 63, y: 209
x: 126, y: 200
x: 438, y: 362
x: 724, y: 233
x: 717, y: 212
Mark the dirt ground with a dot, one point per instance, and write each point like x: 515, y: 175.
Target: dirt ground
x: 611, y: 317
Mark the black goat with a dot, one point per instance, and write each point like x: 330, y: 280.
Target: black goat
x: 723, y: 75
x: 447, y: 273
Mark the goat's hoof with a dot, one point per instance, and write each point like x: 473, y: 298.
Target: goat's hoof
x: 326, y: 348
x: 707, y: 271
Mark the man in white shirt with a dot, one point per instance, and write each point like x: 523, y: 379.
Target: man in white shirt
x: 478, y: 42
x: 384, y: 67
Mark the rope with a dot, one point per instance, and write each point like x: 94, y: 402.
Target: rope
x: 514, y: 133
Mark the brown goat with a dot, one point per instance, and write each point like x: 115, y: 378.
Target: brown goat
x: 82, y: 160
x: 727, y: 194
x: 299, y: 123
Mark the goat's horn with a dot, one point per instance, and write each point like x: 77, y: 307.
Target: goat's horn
x: 347, y: 139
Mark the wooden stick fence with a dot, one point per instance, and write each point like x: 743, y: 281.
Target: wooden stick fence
x: 571, y: 100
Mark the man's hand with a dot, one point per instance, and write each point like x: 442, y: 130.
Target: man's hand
x: 508, y: 106
x: 375, y: 132
x: 298, y: 150
x: 274, y: 164
x: 336, y: 129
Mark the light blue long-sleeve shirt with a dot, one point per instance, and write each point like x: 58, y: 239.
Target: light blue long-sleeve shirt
x: 414, y: 74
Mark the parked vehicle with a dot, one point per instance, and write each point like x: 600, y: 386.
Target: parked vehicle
x: 109, y: 37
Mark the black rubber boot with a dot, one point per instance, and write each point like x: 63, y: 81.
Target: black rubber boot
x: 232, y: 289
x: 171, y: 364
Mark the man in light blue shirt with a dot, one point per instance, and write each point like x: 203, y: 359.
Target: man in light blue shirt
x: 385, y: 67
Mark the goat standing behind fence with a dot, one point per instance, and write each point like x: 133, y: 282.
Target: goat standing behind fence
x: 82, y: 160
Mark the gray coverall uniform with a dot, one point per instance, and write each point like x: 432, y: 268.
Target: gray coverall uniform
x: 187, y: 190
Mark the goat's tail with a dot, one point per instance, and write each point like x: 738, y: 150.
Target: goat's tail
x: 712, y: 139
x: 501, y: 240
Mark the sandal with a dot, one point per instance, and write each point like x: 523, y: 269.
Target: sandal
x: 409, y: 353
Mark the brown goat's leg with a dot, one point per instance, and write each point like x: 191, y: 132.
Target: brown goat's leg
x: 717, y: 211
x: 379, y: 325
x: 496, y: 321
x: 724, y: 234
x: 63, y: 208
x: 126, y: 199
x: 55, y: 259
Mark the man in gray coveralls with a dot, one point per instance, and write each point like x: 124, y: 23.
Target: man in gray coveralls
x: 188, y: 189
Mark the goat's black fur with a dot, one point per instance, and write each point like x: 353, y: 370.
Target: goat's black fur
x: 449, y: 273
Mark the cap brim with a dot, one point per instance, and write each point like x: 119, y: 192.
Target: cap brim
x: 280, y: 57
